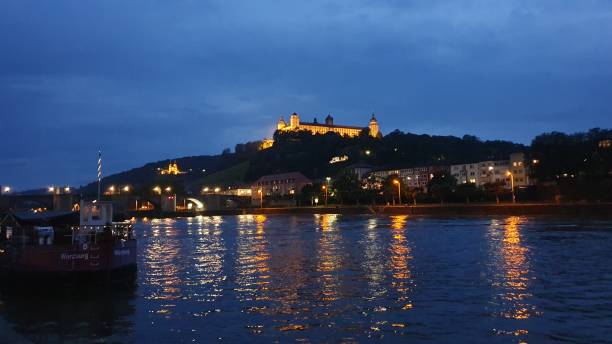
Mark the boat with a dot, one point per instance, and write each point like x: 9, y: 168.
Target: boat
x: 66, y: 244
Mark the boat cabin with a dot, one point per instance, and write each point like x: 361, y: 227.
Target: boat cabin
x: 95, y: 214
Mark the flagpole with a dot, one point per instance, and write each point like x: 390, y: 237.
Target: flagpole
x: 99, y: 172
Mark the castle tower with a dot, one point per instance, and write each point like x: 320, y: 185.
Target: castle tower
x: 281, y: 123
x: 374, y: 129
x: 294, y: 121
x: 329, y: 120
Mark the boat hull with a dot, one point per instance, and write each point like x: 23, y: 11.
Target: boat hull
x: 57, y: 260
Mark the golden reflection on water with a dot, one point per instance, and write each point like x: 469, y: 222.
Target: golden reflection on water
x: 512, y: 268
x: 162, y: 271
x: 329, y: 256
x: 208, y: 257
x: 400, y: 255
x: 252, y: 262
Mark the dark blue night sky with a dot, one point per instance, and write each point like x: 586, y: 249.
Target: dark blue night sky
x: 149, y: 80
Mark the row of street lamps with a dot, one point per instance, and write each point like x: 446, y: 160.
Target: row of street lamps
x: 157, y: 189
x: 55, y: 189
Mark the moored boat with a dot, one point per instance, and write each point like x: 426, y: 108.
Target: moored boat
x: 61, y: 245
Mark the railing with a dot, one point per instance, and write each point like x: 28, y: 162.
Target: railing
x: 122, y: 230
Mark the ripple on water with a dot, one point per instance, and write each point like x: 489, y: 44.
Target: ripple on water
x: 333, y: 278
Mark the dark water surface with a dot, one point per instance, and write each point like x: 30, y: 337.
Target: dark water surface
x: 332, y: 278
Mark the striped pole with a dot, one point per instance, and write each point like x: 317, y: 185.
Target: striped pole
x: 99, y: 172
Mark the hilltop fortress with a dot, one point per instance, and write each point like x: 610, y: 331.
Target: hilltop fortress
x: 322, y: 128
x: 315, y: 127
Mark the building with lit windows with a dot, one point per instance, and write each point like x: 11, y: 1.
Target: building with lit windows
x: 278, y: 186
x: 414, y: 177
x: 607, y: 143
x: 328, y: 126
x: 266, y: 143
x: 172, y: 169
x: 493, y: 171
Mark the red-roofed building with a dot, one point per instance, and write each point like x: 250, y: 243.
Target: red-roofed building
x: 278, y: 186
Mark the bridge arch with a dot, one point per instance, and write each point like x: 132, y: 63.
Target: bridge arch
x: 199, y: 204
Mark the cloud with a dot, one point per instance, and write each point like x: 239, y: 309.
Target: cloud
x: 149, y: 81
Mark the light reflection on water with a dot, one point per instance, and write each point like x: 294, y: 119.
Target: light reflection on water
x: 252, y: 268
x: 329, y: 256
x: 510, y: 264
x: 334, y: 278
x: 400, y: 259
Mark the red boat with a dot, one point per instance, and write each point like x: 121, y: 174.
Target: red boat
x: 63, y: 244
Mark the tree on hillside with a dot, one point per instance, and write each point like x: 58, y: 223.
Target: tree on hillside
x: 248, y: 149
x: 466, y: 191
x: 497, y: 189
x: 309, y: 192
x: 348, y: 188
x: 390, y: 189
x: 441, y: 185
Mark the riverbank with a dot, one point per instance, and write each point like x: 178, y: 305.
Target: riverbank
x: 520, y: 209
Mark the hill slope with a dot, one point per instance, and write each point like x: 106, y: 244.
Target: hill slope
x: 311, y: 155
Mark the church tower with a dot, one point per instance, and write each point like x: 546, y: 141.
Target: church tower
x: 374, y: 129
x: 281, y: 124
x: 294, y: 121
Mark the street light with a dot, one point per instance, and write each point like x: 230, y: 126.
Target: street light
x: 512, y: 185
x: 328, y: 179
x: 168, y: 189
x: 6, y: 189
x: 414, y: 192
x: 399, y: 190
x: 325, y: 189
x: 157, y: 189
x: 126, y: 188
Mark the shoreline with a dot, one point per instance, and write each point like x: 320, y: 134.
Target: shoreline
x: 520, y: 209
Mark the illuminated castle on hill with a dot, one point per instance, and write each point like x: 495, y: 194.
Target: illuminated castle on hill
x: 323, y: 128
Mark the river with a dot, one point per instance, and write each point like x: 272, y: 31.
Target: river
x: 338, y: 278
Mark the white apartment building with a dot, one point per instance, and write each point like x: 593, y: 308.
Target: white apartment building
x: 493, y: 171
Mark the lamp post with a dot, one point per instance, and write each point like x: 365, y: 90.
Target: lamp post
x: 260, y: 191
x: 328, y: 179
x: 158, y: 190
x: 512, y: 185
x: 325, y: 189
x: 399, y: 191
